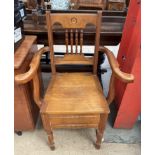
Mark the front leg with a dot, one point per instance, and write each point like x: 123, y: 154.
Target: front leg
x: 51, y: 140
x: 49, y: 131
x: 100, y: 130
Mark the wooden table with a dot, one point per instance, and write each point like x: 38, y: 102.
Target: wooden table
x: 25, y: 110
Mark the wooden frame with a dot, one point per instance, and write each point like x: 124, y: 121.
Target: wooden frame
x: 86, y: 114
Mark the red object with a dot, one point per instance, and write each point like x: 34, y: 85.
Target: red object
x: 128, y: 96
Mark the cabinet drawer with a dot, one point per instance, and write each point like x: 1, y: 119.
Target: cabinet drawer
x: 74, y: 120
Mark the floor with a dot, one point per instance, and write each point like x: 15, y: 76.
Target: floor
x: 80, y: 141
x: 69, y: 142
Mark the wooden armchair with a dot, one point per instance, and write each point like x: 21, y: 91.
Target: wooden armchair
x: 73, y: 100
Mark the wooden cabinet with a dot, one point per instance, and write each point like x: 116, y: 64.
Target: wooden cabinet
x: 116, y: 5
x: 93, y: 3
x: 25, y: 110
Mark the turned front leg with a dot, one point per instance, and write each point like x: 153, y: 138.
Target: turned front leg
x: 100, y: 130
x: 51, y: 140
x: 49, y: 131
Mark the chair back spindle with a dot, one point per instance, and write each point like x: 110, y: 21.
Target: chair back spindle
x: 71, y: 40
x: 66, y: 40
x: 76, y: 41
x: 81, y: 40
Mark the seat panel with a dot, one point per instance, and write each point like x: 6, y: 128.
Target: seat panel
x: 75, y: 93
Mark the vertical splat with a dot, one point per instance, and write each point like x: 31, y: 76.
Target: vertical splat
x: 76, y: 41
x: 71, y: 40
x: 66, y: 40
x: 81, y: 40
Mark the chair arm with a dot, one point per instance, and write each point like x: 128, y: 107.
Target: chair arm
x: 125, y: 77
x: 116, y: 72
x: 26, y: 77
x: 32, y: 74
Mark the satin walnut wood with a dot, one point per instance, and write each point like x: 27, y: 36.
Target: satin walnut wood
x: 73, y: 100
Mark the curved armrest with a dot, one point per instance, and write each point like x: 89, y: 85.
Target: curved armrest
x: 25, y: 77
x: 32, y: 74
x: 116, y: 72
x: 125, y: 77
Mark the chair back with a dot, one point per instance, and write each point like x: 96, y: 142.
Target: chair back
x: 73, y: 25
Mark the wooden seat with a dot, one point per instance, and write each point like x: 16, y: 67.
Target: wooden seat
x: 75, y: 93
x: 73, y: 100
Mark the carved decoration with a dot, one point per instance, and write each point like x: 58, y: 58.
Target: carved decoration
x: 73, y: 20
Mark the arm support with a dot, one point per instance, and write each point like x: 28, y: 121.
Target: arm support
x: 116, y: 73
x: 32, y: 74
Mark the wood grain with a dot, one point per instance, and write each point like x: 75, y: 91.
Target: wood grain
x: 75, y: 93
x: 70, y: 120
x: 73, y: 59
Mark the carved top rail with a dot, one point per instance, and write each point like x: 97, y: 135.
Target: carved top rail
x: 73, y: 20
